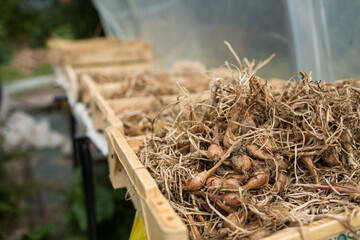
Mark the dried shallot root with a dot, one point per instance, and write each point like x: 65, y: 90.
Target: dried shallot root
x: 254, y: 159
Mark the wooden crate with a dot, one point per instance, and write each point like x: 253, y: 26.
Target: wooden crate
x: 125, y: 166
x: 101, y: 112
x: 98, y: 95
x: 98, y: 51
x: 78, y: 89
x: 98, y: 55
x: 161, y: 221
x: 58, y: 46
x: 104, y: 111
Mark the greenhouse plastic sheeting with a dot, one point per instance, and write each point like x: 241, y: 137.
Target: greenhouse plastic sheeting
x: 326, y: 37
x: 196, y: 29
x: 311, y: 35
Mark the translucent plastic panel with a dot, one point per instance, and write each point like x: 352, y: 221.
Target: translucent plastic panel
x: 196, y: 29
x: 326, y: 37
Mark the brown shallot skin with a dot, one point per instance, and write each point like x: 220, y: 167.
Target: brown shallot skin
x: 230, y: 184
x: 232, y: 217
x: 267, y: 142
x: 308, y: 163
x: 231, y: 199
x: 196, y: 182
x: 240, y: 178
x: 227, y: 140
x: 221, y: 171
x: 280, y: 182
x: 223, y: 206
x: 224, y: 232
x: 248, y: 124
x: 330, y: 158
x: 194, y: 228
x: 213, y: 182
x: 215, y: 151
x: 241, y: 163
x: 346, y: 139
x: 257, y: 181
x: 254, y: 151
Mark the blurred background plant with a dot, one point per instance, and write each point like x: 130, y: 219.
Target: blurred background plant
x: 26, y: 24
x: 38, y: 200
x: 114, y: 213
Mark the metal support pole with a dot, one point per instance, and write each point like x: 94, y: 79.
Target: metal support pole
x: 73, y: 143
x: 82, y: 144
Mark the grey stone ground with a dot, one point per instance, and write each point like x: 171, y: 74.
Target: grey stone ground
x: 46, y: 173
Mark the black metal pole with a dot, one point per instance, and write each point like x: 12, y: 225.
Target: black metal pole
x: 86, y: 164
x: 73, y: 143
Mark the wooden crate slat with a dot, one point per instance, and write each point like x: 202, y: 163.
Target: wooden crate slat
x: 116, y: 68
x: 73, y: 81
x: 98, y: 51
x: 160, y: 219
x: 122, y: 53
x: 321, y: 229
x: 134, y: 169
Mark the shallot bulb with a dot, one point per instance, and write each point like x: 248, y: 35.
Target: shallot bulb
x: 232, y: 217
x: 241, y: 163
x: 257, y: 181
x: 228, y: 140
x: 213, y: 182
x: 254, y: 151
x: 309, y: 164
x: 330, y: 157
x: 215, y: 151
x: 231, y: 199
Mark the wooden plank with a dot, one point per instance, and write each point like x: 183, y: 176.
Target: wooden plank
x: 116, y: 68
x: 122, y: 53
x: 102, y: 115
x: 94, y: 54
x: 138, y: 175
x: 117, y: 174
x: 161, y: 221
x: 322, y: 229
x: 87, y: 86
x: 58, y: 48
x: 73, y: 81
x: 135, y: 142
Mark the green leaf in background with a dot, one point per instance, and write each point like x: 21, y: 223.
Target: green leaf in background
x: 76, y: 238
x: 105, y: 205
x: 104, y: 202
x: 79, y: 209
x: 39, y: 233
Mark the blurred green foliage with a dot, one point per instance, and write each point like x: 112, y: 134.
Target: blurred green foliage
x: 39, y: 233
x: 8, y: 74
x: 23, y: 24
x: 114, y: 215
x: 8, y: 207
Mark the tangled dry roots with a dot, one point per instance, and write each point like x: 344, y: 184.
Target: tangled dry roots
x: 290, y: 155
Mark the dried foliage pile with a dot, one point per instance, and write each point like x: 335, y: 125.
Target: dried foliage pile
x: 252, y: 159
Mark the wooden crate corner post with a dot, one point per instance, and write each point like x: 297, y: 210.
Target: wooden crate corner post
x: 73, y: 80
x: 117, y: 173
